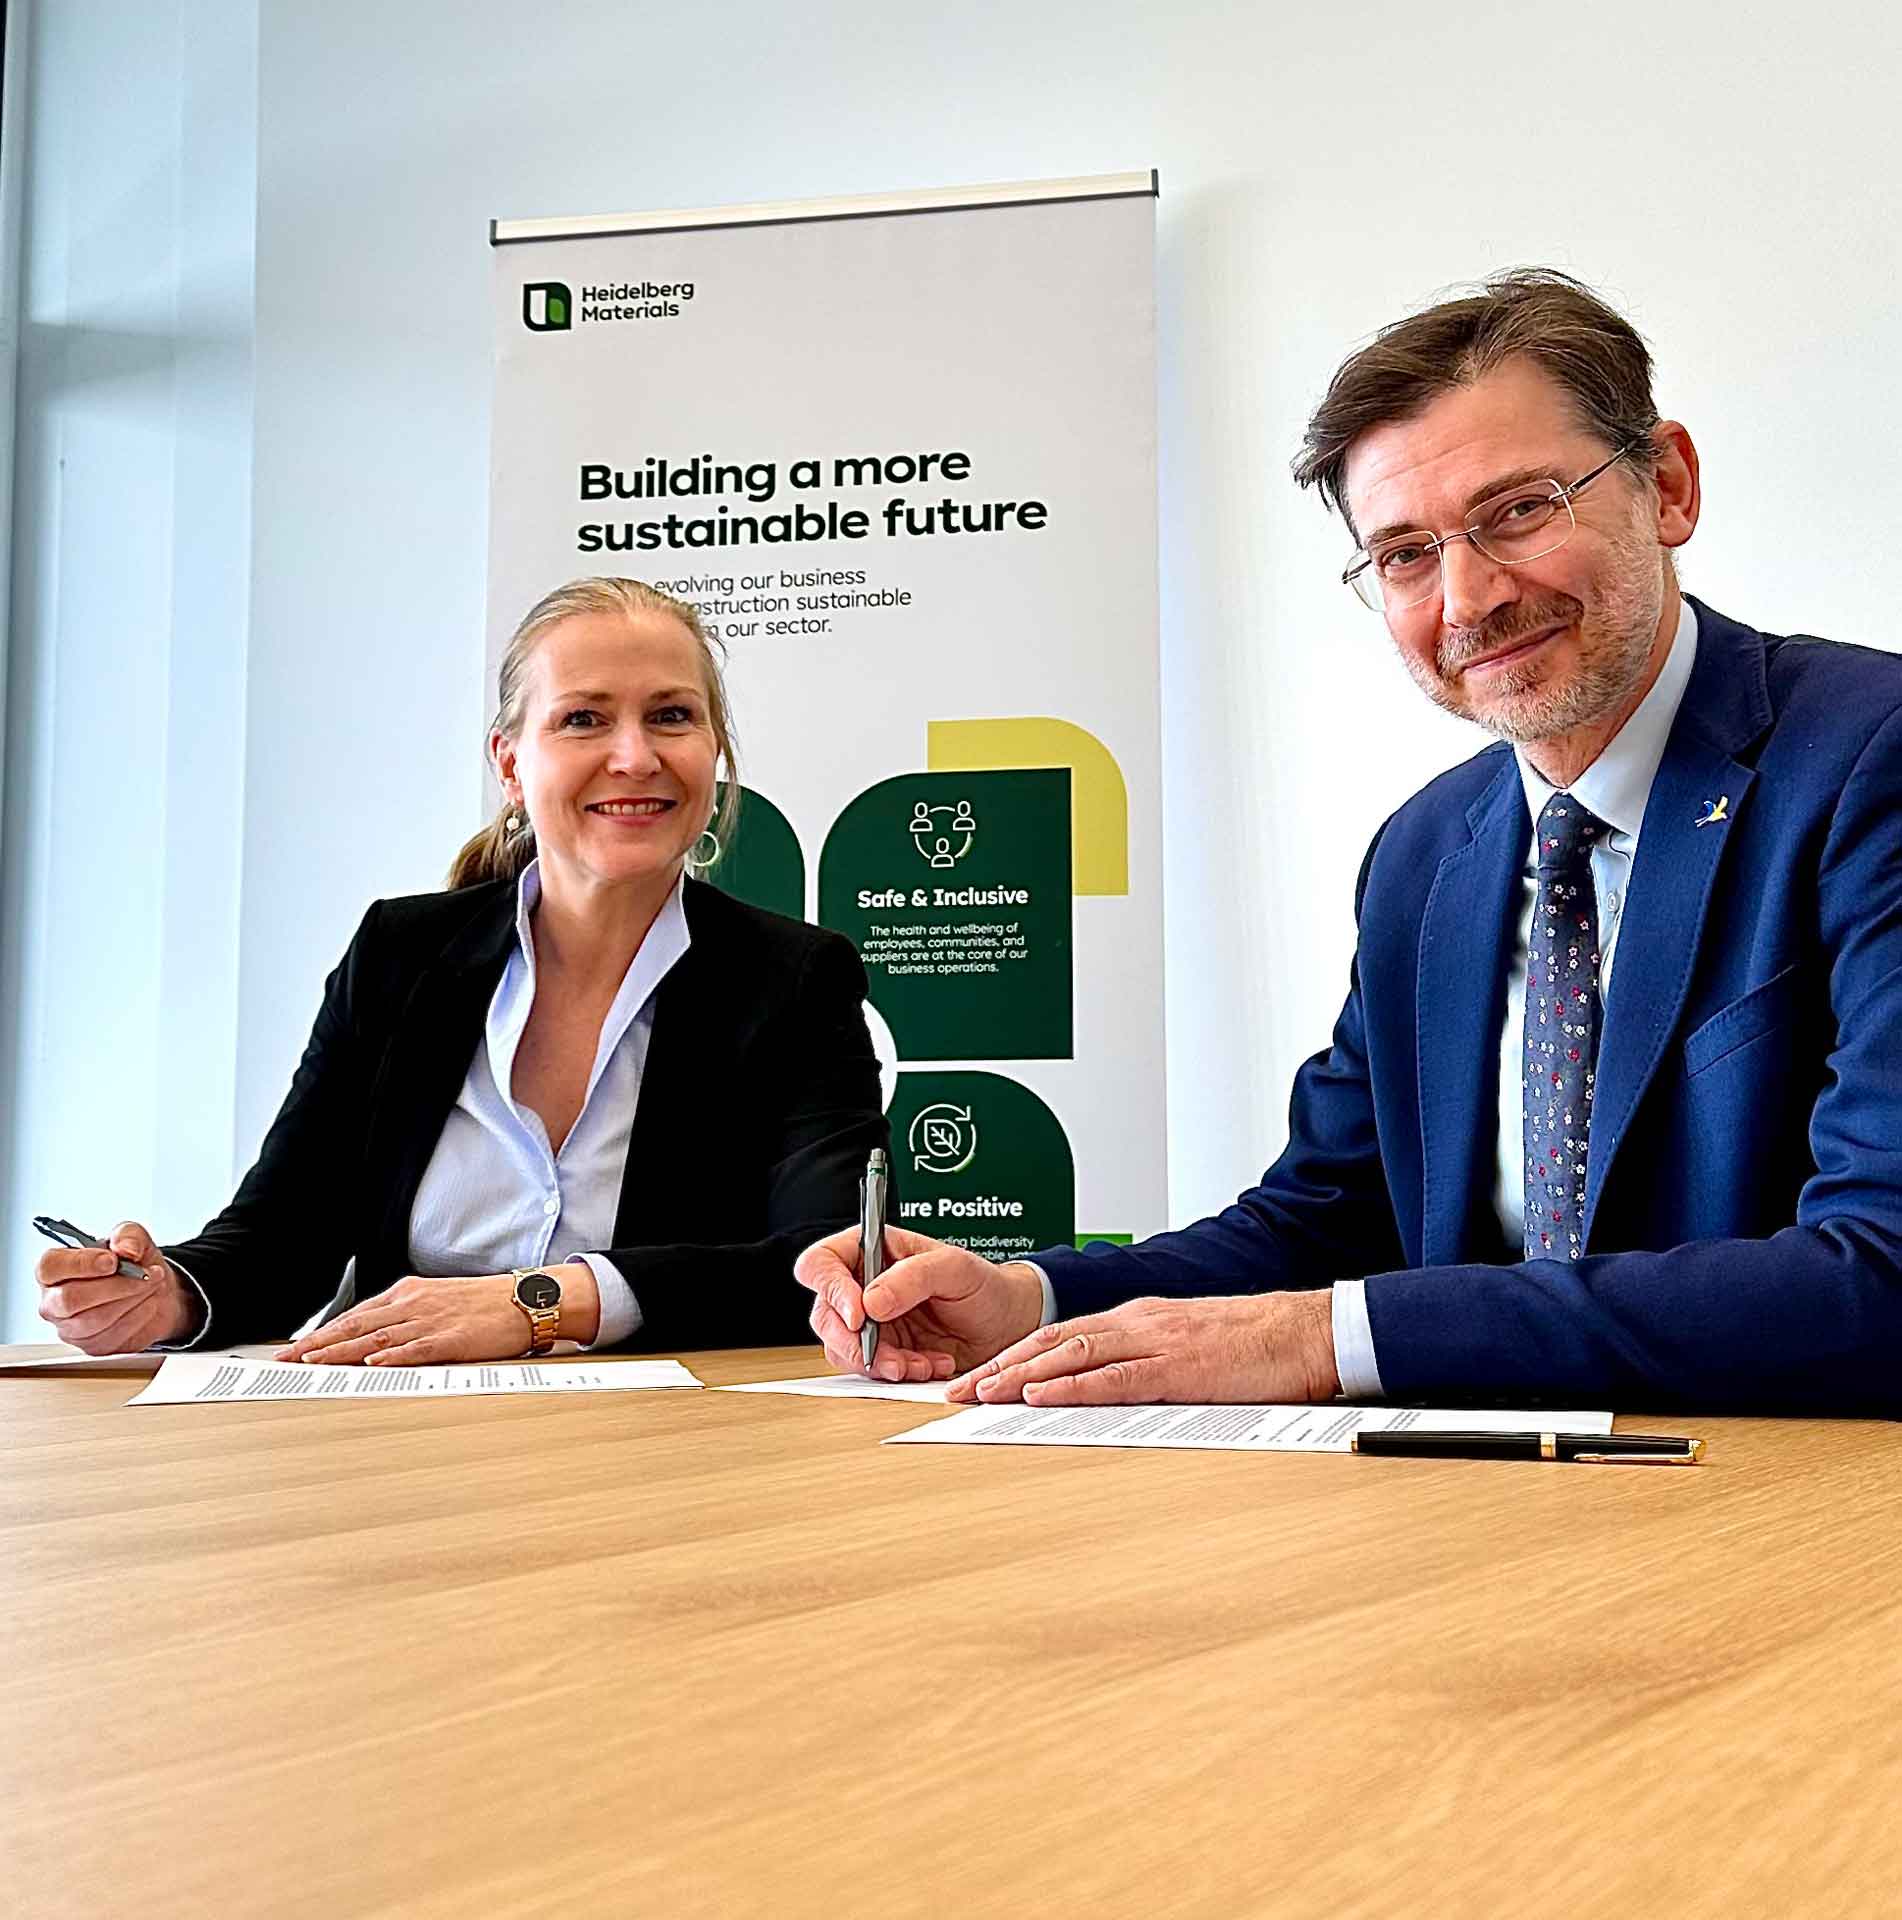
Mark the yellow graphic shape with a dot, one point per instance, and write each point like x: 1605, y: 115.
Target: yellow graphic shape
x: 1099, y: 801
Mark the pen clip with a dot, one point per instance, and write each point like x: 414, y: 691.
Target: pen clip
x: 1688, y: 1458
x: 872, y: 1204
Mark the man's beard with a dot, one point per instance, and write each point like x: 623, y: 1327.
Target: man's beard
x: 1526, y: 703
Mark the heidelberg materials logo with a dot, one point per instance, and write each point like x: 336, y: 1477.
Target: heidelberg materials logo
x: 547, y: 307
x: 550, y: 307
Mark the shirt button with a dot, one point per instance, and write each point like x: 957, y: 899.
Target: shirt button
x: 552, y: 1205
x: 1614, y: 900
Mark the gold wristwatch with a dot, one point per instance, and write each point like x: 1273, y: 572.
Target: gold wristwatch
x: 538, y: 1294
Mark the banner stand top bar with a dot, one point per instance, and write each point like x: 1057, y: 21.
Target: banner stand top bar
x: 861, y: 206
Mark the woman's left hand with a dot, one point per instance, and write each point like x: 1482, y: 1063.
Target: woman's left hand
x: 422, y: 1322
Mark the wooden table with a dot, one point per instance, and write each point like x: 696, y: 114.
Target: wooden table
x: 722, y: 1654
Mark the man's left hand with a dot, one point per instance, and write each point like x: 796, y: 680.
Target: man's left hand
x: 422, y: 1322
x: 1274, y: 1347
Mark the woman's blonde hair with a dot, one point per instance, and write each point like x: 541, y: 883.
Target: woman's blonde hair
x: 500, y: 852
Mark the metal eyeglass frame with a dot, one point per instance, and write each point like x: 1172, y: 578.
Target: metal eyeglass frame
x: 1435, y: 544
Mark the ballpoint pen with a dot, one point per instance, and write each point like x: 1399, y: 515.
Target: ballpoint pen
x: 871, y: 1246
x: 1586, y: 1449
x: 69, y: 1235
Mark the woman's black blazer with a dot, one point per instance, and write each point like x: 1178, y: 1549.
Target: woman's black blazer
x: 758, y: 1105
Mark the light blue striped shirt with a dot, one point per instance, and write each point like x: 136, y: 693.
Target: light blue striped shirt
x: 495, y: 1195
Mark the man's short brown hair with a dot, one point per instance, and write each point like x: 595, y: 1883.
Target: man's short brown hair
x: 1591, y: 350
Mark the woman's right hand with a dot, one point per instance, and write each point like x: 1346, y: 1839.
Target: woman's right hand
x: 91, y: 1305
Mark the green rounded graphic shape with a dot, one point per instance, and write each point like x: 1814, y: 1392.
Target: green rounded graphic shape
x: 955, y: 888
x: 981, y: 1162
x: 763, y: 864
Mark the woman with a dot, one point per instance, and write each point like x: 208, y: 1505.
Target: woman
x: 579, y: 1095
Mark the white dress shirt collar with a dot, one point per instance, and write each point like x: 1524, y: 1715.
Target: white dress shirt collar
x: 667, y: 940
x: 1618, y: 783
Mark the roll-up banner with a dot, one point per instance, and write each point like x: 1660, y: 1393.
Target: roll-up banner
x: 900, y: 452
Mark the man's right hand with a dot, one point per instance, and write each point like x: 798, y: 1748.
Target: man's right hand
x: 940, y: 1309
x: 93, y: 1306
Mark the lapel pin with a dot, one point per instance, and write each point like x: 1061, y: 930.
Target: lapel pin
x: 1715, y: 812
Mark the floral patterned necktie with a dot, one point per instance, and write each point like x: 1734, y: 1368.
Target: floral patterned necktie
x: 1563, y: 1017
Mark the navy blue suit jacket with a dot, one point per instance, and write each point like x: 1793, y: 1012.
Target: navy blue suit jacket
x: 1743, y: 1200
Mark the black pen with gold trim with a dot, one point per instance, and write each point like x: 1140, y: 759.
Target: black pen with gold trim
x: 1583, y: 1449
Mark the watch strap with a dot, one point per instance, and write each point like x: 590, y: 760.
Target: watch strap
x: 542, y: 1321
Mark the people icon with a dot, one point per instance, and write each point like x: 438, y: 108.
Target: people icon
x: 937, y: 842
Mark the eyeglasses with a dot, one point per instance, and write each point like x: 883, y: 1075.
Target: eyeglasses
x: 1521, y: 524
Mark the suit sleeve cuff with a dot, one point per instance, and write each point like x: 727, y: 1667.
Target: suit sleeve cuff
x: 203, y: 1334
x: 1049, y: 1293
x: 1354, y: 1342
x: 620, y: 1311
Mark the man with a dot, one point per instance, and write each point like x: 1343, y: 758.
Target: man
x: 1613, y: 1112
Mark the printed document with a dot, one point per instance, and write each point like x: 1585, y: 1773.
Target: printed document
x: 194, y: 1378
x: 849, y: 1386
x: 56, y: 1356
x: 1231, y: 1429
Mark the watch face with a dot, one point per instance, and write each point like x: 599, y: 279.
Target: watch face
x: 538, y: 1290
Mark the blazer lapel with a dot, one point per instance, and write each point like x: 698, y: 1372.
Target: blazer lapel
x: 1465, y: 950
x: 683, y: 1121
x: 1725, y: 705
x: 433, y: 1037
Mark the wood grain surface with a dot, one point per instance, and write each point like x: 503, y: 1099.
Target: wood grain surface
x: 722, y: 1654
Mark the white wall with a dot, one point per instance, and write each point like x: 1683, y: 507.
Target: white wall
x: 1728, y: 176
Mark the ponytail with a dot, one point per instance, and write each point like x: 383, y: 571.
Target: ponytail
x: 493, y: 854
